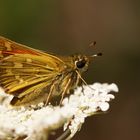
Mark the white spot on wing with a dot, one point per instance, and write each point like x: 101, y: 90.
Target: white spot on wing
x: 8, y: 46
x: 18, y: 78
x: 28, y: 60
x: 18, y: 65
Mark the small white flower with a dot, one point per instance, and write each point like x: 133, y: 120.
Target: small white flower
x: 104, y: 106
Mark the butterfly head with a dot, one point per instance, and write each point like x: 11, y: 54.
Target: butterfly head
x: 82, y: 61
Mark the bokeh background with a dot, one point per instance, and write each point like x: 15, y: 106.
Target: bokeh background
x: 68, y: 26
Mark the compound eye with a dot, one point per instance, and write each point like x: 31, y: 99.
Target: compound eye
x: 80, y: 64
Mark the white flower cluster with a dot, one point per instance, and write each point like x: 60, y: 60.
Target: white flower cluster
x: 87, y: 101
x: 36, y: 124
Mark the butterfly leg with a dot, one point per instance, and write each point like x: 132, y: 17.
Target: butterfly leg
x: 64, y: 92
x: 82, y: 86
x: 50, y: 93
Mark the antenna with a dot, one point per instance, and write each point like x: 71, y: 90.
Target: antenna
x: 92, y: 44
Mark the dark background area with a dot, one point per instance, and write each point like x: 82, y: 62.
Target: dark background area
x: 66, y: 27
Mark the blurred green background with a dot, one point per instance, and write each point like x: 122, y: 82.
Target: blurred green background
x: 66, y: 27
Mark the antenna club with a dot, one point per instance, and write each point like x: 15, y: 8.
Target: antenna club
x: 99, y: 54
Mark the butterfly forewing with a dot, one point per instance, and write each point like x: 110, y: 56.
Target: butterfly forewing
x: 26, y: 71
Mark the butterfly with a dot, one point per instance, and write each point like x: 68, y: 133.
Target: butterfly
x: 34, y: 76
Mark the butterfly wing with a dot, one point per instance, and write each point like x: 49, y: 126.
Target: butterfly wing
x: 24, y: 70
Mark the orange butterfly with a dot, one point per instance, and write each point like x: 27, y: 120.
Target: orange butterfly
x: 33, y: 76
